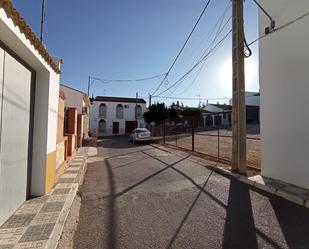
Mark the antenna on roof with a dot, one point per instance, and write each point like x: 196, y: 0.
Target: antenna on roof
x: 42, y: 21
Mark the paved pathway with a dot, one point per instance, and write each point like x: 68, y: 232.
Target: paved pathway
x: 38, y: 222
x: 143, y: 197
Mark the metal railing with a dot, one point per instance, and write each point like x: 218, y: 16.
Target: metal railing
x: 211, y: 139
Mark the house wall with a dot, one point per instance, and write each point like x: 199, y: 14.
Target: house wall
x: 60, y: 120
x: 128, y: 115
x: 76, y: 99
x: 284, y: 77
x: 45, y: 109
x: 253, y: 100
x: 250, y: 99
x: 73, y: 98
x: 60, y: 133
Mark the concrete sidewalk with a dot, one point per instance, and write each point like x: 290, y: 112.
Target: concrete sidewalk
x: 39, y: 221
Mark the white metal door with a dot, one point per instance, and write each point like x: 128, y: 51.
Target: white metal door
x: 15, y: 94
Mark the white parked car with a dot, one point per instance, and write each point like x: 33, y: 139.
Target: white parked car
x: 140, y: 135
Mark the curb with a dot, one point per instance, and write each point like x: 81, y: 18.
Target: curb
x: 57, y: 231
x: 52, y: 242
x: 263, y: 183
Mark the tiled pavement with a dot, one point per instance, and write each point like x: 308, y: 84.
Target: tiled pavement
x: 38, y: 222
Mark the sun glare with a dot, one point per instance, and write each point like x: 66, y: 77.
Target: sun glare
x: 225, y: 72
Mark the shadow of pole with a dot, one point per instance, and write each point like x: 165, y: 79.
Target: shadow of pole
x: 111, y: 214
x: 188, y: 213
x: 239, y: 231
x: 148, y: 178
x: 212, y: 197
x: 293, y: 220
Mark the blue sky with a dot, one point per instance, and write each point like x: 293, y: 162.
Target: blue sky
x: 119, y: 39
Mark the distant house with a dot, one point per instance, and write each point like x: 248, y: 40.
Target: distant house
x: 217, y: 114
x: 251, y: 99
x: 116, y: 115
x: 221, y: 114
x: 79, y: 100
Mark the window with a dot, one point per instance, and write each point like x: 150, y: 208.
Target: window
x: 102, y: 126
x: 102, y: 111
x: 119, y: 111
x: 138, y: 112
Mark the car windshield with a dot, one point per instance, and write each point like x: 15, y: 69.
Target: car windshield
x: 141, y: 130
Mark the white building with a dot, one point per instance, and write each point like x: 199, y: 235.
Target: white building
x: 251, y: 99
x: 116, y: 115
x: 29, y: 89
x: 79, y: 100
x: 217, y: 114
x: 284, y: 79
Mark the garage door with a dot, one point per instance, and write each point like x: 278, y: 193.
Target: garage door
x: 15, y: 94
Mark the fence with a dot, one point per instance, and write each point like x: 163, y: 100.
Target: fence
x: 211, y: 135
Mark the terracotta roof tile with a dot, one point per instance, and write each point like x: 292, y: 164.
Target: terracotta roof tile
x: 118, y: 99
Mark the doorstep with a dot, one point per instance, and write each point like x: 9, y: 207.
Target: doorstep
x: 284, y: 190
x: 39, y: 221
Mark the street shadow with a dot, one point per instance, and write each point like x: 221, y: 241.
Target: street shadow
x: 294, y: 221
x: 212, y: 197
x: 173, y: 238
x: 239, y: 231
x: 149, y: 177
x: 111, y: 215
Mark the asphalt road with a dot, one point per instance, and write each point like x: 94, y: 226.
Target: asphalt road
x: 142, y: 197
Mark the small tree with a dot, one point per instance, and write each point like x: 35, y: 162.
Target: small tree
x: 172, y: 113
x: 157, y: 112
x: 193, y: 115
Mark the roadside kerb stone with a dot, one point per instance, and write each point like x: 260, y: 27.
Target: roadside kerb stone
x: 56, y: 233
x: 291, y: 197
x: 245, y: 179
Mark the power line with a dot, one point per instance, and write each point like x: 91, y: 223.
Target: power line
x: 183, y: 46
x: 219, y: 31
x: 280, y: 27
x: 127, y: 80
x: 190, y: 98
x: 205, y: 57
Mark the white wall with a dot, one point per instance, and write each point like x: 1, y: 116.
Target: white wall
x: 250, y: 99
x: 46, y: 100
x: 128, y: 115
x: 73, y: 98
x: 284, y: 76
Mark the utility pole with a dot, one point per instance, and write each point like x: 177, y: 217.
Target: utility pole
x: 136, y: 97
x: 239, y: 154
x: 88, y: 85
x: 42, y: 21
x: 149, y: 100
x: 199, y: 101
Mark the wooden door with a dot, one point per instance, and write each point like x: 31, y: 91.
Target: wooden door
x: 115, y: 127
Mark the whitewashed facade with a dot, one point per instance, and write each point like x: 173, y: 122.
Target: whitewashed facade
x: 115, y: 116
x: 284, y: 80
x: 29, y: 90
